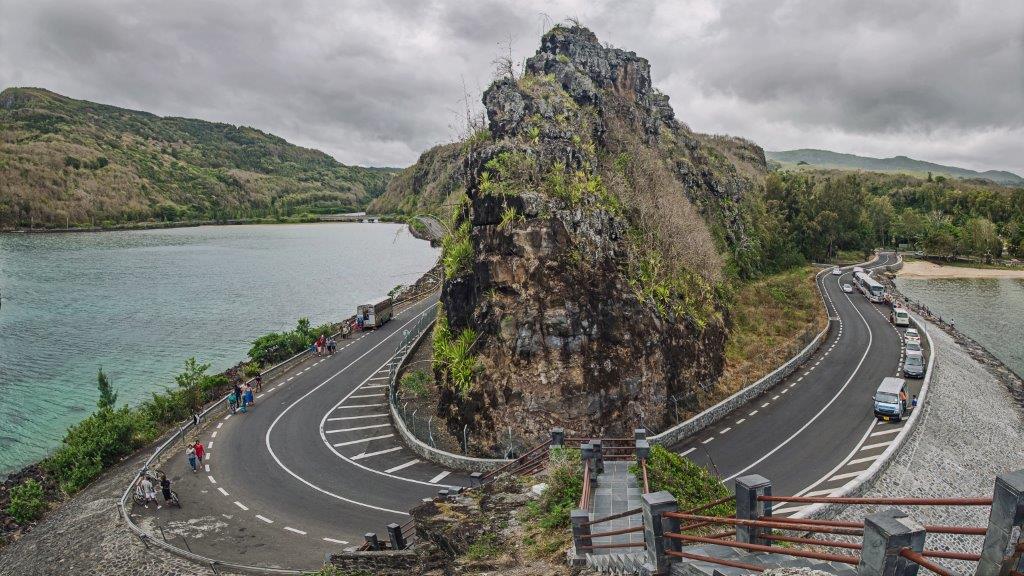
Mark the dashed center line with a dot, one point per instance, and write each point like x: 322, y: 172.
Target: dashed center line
x: 724, y: 430
x: 765, y: 405
x: 752, y: 413
x: 212, y: 481
x: 741, y: 420
x: 687, y: 451
x: 240, y: 505
x: 222, y: 491
x: 708, y: 440
x: 332, y: 540
x: 265, y: 519
x: 296, y: 530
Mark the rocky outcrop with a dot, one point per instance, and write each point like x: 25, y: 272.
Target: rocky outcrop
x: 430, y: 186
x: 586, y: 267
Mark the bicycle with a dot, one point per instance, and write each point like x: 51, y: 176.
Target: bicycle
x: 140, y: 494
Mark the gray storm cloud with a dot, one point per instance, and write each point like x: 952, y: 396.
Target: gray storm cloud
x: 376, y: 83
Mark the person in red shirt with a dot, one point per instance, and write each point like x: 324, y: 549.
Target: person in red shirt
x: 200, y: 451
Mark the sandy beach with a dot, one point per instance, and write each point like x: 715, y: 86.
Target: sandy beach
x: 923, y: 269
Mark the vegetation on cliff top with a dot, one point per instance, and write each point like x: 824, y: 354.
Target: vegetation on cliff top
x: 66, y: 161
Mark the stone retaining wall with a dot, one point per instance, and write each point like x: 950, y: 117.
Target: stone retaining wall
x: 384, y: 563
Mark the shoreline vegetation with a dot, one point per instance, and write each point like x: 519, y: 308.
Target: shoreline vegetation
x: 307, y: 218
x: 924, y: 269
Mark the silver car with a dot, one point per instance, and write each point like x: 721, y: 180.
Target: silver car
x: 848, y: 288
x: 913, y: 346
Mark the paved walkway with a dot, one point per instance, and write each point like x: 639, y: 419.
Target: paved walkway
x: 616, y: 491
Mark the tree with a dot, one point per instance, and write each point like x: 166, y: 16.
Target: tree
x: 108, y: 398
x: 192, y: 380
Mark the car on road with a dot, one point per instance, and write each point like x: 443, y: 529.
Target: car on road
x: 899, y: 317
x: 848, y: 288
x: 912, y: 335
x: 837, y: 271
x: 857, y: 269
x: 914, y: 346
x: 913, y: 365
x: 890, y: 400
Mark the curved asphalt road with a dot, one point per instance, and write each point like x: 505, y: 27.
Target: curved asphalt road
x: 316, y: 463
x: 815, y: 431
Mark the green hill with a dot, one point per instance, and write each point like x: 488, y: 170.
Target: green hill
x: 72, y: 161
x: 828, y: 159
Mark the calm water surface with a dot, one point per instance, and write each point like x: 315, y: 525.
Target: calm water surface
x: 139, y: 303
x: 989, y: 310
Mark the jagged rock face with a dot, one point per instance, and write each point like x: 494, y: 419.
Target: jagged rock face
x: 579, y: 324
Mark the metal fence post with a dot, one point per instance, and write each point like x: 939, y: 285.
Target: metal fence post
x: 748, y: 488
x: 886, y: 533
x: 656, y: 525
x: 1005, y: 518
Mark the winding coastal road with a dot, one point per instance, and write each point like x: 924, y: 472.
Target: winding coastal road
x: 316, y: 462
x: 815, y: 431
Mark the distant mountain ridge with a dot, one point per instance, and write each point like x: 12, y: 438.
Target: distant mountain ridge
x: 73, y: 162
x: 829, y: 159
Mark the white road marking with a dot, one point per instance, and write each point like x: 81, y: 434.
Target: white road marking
x: 741, y: 420
x: 214, y: 435
x: 724, y: 430
x: 228, y: 416
x: 350, y: 442
x: 260, y: 395
x: 357, y: 428
x: 783, y: 392
x: 776, y: 397
x: 708, y: 440
x: 222, y: 491
x: 377, y: 453
x: 265, y: 519
x: 210, y: 445
x: 375, y: 386
x: 825, y: 407
x: 752, y: 413
x: 860, y: 460
x: 393, y: 469
x: 337, y: 418
x: 687, y: 451
x: 296, y: 530
x: 847, y: 475
x: 378, y: 378
x: 889, y: 431
x: 240, y: 505
x: 212, y: 481
x: 439, y: 477
x: 765, y: 405
x: 825, y: 492
x: 332, y: 540
x: 207, y: 467
x: 290, y: 378
x: 872, y: 446
x: 219, y: 424
x: 377, y: 395
x: 362, y: 406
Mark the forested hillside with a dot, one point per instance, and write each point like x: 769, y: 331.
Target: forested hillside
x: 66, y: 161
x: 816, y: 159
x: 829, y: 210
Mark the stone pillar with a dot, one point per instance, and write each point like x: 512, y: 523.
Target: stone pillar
x: 557, y: 437
x: 476, y: 478
x: 371, y: 540
x: 587, y: 455
x: 655, y: 526
x: 580, y: 534
x: 748, y: 488
x: 598, y: 456
x: 643, y: 449
x: 1005, y: 526
x: 395, y: 536
x: 885, y: 534
x: 640, y: 434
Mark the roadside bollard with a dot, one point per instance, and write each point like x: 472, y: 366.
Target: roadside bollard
x: 643, y: 449
x: 371, y: 541
x: 476, y: 478
x: 395, y: 536
x: 442, y: 494
x: 656, y: 525
x: 886, y: 534
x: 580, y: 536
x: 640, y: 434
x: 748, y: 507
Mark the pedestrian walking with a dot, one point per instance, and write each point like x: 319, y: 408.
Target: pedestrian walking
x: 248, y: 399
x: 190, y: 453
x: 238, y: 391
x: 148, y: 491
x: 195, y: 418
x: 200, y: 451
x: 233, y: 401
x: 332, y: 346
x: 258, y: 382
x: 913, y: 403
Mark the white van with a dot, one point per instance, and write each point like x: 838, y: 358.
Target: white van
x: 899, y: 317
x: 890, y: 400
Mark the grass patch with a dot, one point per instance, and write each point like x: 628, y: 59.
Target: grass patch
x: 691, y: 484
x: 485, y: 547
x: 415, y: 383
x: 453, y: 354
x: 565, y: 486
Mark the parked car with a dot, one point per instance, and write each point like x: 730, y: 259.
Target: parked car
x: 899, y: 317
x: 912, y: 335
x: 890, y: 399
x: 913, y: 365
x: 914, y: 346
x: 837, y: 271
x: 848, y: 288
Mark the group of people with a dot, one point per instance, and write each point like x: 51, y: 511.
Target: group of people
x: 195, y: 453
x: 149, y: 489
x: 243, y: 395
x: 325, y: 345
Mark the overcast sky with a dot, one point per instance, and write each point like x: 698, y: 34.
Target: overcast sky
x: 377, y: 82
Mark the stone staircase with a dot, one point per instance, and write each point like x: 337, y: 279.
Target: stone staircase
x: 616, y: 563
x: 766, y: 559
